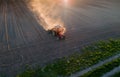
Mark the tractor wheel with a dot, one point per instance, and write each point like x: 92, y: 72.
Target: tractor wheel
x: 53, y: 33
x: 61, y: 38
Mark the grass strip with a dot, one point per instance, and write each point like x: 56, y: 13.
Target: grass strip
x: 116, y: 75
x: 98, y: 72
x: 67, y: 65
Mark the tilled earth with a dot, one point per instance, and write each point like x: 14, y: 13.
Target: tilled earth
x: 23, y: 41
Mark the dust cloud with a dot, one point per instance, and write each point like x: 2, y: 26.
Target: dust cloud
x: 47, y: 12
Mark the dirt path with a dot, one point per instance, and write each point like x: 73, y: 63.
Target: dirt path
x: 112, y: 72
x: 95, y: 66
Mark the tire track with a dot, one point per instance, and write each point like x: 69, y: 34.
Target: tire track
x: 35, y: 25
x: 18, y: 24
x: 1, y: 25
x: 6, y: 27
x: 11, y: 28
x: 31, y: 18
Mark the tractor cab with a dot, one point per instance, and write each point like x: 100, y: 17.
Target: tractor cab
x: 58, y: 31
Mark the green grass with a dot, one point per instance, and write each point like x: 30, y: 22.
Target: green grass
x: 37, y: 73
x: 98, y: 72
x: 65, y: 66
x: 116, y: 75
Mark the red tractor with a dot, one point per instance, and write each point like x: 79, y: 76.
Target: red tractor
x: 58, y: 31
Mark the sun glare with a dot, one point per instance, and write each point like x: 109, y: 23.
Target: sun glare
x: 66, y: 1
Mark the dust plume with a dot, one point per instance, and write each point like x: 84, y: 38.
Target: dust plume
x: 47, y: 12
